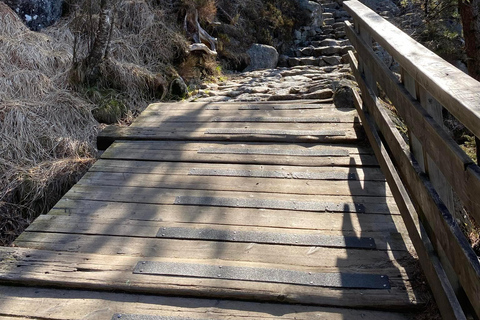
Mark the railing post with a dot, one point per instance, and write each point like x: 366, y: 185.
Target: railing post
x: 369, y: 77
x: 439, y: 182
x: 429, y: 167
x: 415, y: 145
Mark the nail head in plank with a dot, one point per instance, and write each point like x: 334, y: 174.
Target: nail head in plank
x: 317, y: 240
x: 331, y: 280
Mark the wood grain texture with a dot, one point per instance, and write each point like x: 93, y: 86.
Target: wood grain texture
x: 107, y: 273
x: 92, y: 305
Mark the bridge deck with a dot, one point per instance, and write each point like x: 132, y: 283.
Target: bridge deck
x: 206, y: 210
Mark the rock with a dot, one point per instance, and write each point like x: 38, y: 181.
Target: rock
x: 332, y: 60
x: 293, y: 62
x: 178, y: 88
x: 346, y: 49
x: 37, y: 14
x: 234, y: 93
x: 308, y: 51
x: 329, y: 22
x: 262, y: 57
x: 320, y: 94
x: 343, y: 96
x: 281, y: 97
x: 297, y: 34
x: 315, y: 11
x: 282, y: 61
x: 330, y: 43
x: 309, y: 61
x: 326, y: 51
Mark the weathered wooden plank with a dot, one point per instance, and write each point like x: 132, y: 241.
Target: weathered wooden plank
x: 81, y: 305
x: 322, y: 258
x: 277, y: 116
x: 435, y: 274
x: 225, y: 131
x: 459, y: 170
x: 232, y: 199
x: 388, y: 239
x: 100, y: 272
x: 454, y: 89
x: 244, y: 184
x: 196, y: 146
x: 137, y: 212
x: 447, y: 232
x: 196, y: 106
x: 122, y: 151
x: 239, y: 170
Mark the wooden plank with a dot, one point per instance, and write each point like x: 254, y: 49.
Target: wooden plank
x: 137, y: 212
x: 246, y: 170
x: 197, y: 146
x: 459, y: 170
x: 206, y: 115
x: 100, y: 272
x: 248, y: 116
x: 447, y: 232
x: 384, y: 239
x: 323, y: 258
x: 196, y: 106
x: 271, y: 201
x: 144, y: 152
x: 92, y: 305
x: 442, y: 290
x: 321, y: 133
x: 244, y: 184
x: 455, y: 90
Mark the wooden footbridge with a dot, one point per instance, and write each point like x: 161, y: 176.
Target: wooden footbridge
x: 268, y: 210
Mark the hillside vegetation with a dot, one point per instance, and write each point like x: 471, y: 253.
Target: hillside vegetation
x: 52, y: 105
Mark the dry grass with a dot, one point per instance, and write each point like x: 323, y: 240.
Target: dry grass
x: 46, y: 131
x: 46, y: 125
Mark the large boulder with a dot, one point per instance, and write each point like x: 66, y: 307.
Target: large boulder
x: 37, y: 14
x: 314, y: 11
x: 262, y: 57
x: 343, y: 96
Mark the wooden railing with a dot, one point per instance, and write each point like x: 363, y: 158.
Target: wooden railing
x: 430, y: 174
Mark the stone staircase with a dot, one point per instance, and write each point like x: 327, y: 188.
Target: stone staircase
x: 324, y: 45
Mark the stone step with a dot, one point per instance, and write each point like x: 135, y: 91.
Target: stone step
x: 315, y: 61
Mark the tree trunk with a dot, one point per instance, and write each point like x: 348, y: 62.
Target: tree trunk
x: 100, y: 45
x: 470, y: 14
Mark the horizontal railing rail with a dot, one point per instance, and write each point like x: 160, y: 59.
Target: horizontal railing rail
x: 432, y: 172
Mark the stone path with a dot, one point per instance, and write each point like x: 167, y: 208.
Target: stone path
x: 315, y: 68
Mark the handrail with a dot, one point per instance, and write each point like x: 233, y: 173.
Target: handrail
x: 455, y: 90
x: 433, y: 168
